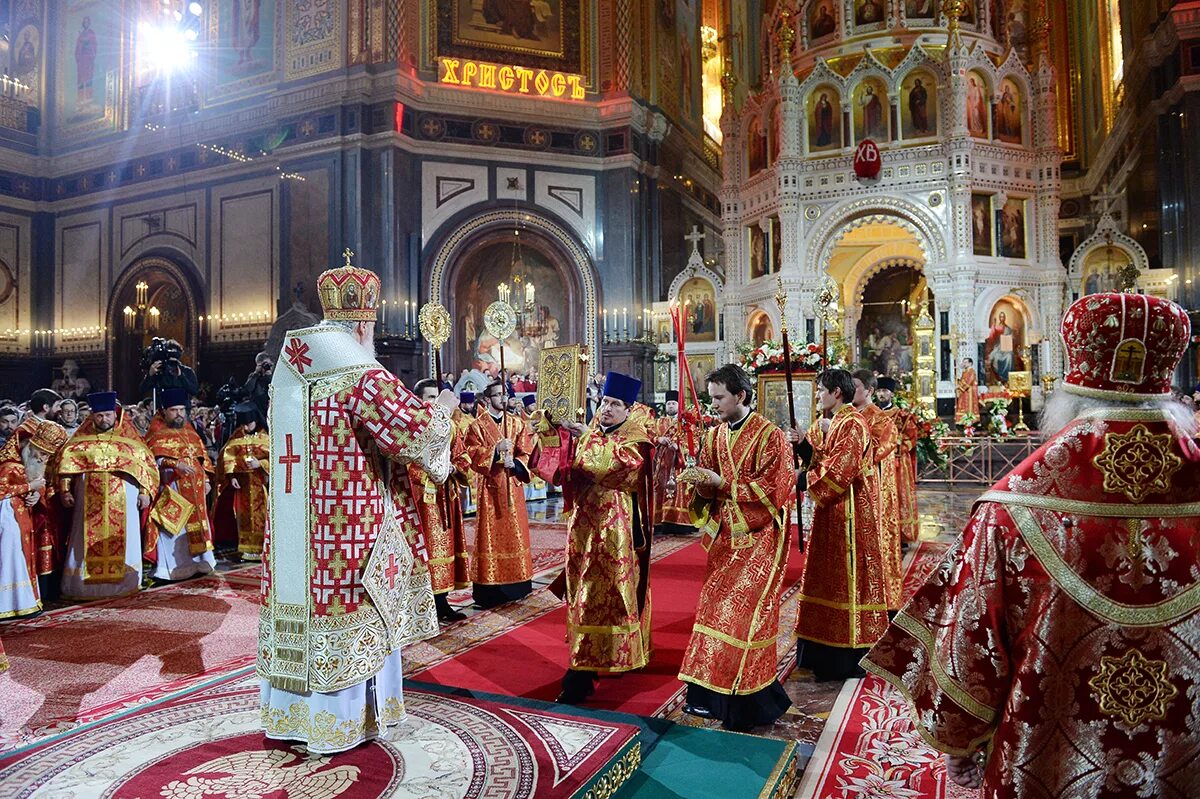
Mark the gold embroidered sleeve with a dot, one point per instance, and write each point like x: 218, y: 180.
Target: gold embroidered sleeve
x: 840, y: 461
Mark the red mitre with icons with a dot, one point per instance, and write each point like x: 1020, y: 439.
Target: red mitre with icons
x: 348, y: 293
x: 1128, y: 462
x: 1123, y: 346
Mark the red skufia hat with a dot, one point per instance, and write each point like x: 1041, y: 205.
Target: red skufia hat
x: 1123, y: 346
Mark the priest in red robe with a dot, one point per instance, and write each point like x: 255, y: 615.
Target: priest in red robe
x: 606, y: 479
x: 843, y: 603
x: 909, y: 430
x: 885, y: 442
x: 1056, y: 650
x: 741, y: 508
x: 23, y: 484
x: 106, y: 474
x: 341, y: 590
x: 497, y: 447
x: 673, y: 497
x: 185, y: 542
x: 440, y: 509
x: 242, y: 481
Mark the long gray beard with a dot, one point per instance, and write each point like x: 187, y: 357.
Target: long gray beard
x: 1063, y: 407
x: 34, y: 469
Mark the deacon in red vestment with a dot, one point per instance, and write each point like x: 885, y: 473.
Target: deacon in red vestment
x: 741, y: 508
x: 885, y: 442
x: 843, y: 605
x: 497, y: 447
x: 1056, y: 650
x: 107, y: 475
x: 342, y: 592
x: 23, y: 484
x: 242, y: 481
x: 909, y: 431
x: 440, y: 509
x: 966, y: 395
x: 185, y: 544
x: 673, y: 498
x: 607, y: 483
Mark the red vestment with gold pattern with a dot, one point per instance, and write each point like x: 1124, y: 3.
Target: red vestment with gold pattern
x: 502, y: 550
x: 906, y: 471
x: 440, y: 510
x: 249, y: 500
x: 609, y: 487
x: 1062, y: 631
x: 673, y: 499
x: 107, y: 461
x: 885, y: 443
x: 182, y: 445
x: 1063, y: 628
x: 732, y: 649
x: 14, y: 485
x: 842, y: 599
x: 966, y: 398
x: 3, y: 659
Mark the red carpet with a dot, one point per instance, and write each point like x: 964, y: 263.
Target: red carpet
x: 540, y: 649
x: 208, y: 742
x: 870, y: 747
x: 80, y: 662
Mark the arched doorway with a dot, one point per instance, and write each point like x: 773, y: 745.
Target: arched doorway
x: 880, y: 262
x: 759, y: 328
x: 149, y: 283
x: 551, y: 311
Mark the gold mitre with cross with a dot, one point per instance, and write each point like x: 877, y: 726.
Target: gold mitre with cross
x: 349, y: 293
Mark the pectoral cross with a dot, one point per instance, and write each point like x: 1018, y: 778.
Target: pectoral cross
x: 288, y: 460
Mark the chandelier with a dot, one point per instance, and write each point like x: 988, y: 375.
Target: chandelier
x: 520, y: 283
x: 141, y: 317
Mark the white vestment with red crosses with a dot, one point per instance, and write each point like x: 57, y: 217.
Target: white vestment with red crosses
x: 342, y: 590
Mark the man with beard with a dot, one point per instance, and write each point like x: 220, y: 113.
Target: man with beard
x: 741, y: 507
x: 607, y: 483
x: 107, y: 474
x: 342, y: 591
x: 497, y: 447
x: 22, y: 485
x: 10, y: 417
x: 180, y: 513
x: 1053, y: 652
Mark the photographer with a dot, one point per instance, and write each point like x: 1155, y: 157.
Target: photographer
x: 165, y: 370
x: 258, y: 384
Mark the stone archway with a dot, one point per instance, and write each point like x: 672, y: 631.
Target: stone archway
x: 171, y: 289
x: 478, y: 255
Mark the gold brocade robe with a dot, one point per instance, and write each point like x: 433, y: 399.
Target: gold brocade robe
x: 108, y: 460
x: 732, y: 648
x: 842, y: 600
x: 674, y: 499
x: 250, y: 500
x: 183, y: 445
x: 502, y: 551
x: 440, y: 510
x: 906, y: 471
x: 608, y: 547
x: 885, y: 442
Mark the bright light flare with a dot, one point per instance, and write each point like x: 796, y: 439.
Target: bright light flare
x: 164, y: 49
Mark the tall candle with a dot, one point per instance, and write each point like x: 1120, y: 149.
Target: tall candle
x: 625, y: 322
x: 604, y: 313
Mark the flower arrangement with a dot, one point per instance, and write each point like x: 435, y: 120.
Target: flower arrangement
x: 768, y: 357
x: 997, y: 403
x: 967, y: 422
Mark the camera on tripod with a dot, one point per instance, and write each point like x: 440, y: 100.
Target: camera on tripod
x: 161, y: 349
